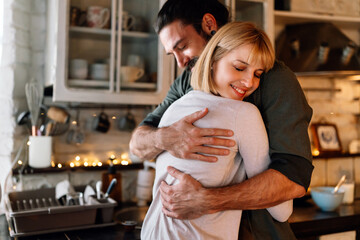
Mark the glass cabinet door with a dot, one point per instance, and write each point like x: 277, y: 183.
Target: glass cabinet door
x: 91, y: 44
x: 257, y: 11
x: 106, y: 51
x: 137, y: 64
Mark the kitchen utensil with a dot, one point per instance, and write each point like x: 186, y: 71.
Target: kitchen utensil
x: 97, y: 17
x: 48, y: 129
x: 89, y: 192
x: 58, y: 114
x: 101, y: 123
x: 325, y: 199
x: 76, y: 135
x: 40, y: 150
x: 99, y: 71
x: 76, y: 198
x: 34, y: 95
x: 130, y: 74
x: 128, y: 21
x: 341, y: 181
x: 78, y: 69
x: 127, y: 122
x: 110, y: 188
x: 59, y: 128
x: 98, y: 189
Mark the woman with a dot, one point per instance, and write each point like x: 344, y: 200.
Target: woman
x: 227, y: 71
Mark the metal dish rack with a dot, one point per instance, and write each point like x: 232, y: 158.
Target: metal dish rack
x: 37, y: 212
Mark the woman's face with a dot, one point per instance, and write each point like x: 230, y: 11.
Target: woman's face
x: 235, y: 77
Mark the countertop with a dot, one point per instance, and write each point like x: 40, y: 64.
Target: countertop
x: 307, y: 221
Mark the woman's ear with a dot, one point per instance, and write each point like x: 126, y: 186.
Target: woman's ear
x: 209, y: 24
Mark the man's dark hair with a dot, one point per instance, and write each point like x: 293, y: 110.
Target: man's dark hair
x: 191, y: 12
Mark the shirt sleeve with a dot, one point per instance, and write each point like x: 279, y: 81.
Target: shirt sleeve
x: 287, y: 115
x: 178, y: 89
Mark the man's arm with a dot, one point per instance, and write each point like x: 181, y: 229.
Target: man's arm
x: 182, y: 139
x: 188, y: 199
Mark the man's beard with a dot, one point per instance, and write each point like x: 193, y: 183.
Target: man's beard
x: 192, y: 63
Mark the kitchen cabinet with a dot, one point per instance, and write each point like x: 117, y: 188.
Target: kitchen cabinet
x: 104, y: 51
x: 259, y: 12
x: 348, y: 25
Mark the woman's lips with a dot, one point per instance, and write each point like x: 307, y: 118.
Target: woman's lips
x: 238, y: 90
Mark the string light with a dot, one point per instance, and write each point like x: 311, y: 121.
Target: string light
x: 72, y: 164
x: 59, y: 165
x: 20, y: 162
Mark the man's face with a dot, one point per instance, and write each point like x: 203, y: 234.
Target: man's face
x: 183, y: 42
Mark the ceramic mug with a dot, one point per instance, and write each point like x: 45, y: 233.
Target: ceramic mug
x: 101, y: 123
x: 128, y: 21
x: 131, y: 74
x: 97, y: 17
x: 99, y: 71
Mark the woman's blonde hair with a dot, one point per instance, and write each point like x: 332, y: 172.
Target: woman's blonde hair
x: 228, y: 38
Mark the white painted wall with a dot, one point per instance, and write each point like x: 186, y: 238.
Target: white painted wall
x: 22, y: 58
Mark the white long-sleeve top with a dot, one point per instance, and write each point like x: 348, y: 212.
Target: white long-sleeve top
x: 248, y: 158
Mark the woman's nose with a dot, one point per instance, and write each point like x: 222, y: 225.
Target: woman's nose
x: 248, y: 81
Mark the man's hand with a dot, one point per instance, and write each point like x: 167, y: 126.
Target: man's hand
x: 188, y: 199
x: 183, y: 140
x: 184, y: 200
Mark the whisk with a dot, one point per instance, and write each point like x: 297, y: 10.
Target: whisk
x: 34, y: 96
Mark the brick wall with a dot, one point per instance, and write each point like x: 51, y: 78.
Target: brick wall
x: 24, y: 34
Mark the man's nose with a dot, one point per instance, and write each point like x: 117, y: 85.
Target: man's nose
x: 181, y: 60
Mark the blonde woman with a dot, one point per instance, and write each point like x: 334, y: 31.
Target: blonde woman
x: 227, y: 71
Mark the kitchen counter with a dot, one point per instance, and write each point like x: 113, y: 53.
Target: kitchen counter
x: 307, y: 221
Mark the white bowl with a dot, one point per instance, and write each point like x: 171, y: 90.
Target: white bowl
x: 325, y: 199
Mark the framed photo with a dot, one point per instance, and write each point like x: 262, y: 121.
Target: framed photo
x: 326, y: 138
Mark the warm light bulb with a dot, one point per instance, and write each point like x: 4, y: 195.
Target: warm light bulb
x: 59, y: 165
x: 72, y: 164
x: 77, y: 164
x: 28, y: 143
x: 94, y: 164
x: 124, y: 162
x: 113, y: 117
x: 86, y: 164
x: 73, y: 122
x: 125, y: 155
x: 77, y: 158
x: 20, y: 162
x: 99, y: 164
x: 315, y: 152
x: 53, y: 164
x: 112, y: 156
x: 115, y: 161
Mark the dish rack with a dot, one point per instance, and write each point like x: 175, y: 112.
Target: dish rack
x: 35, y: 212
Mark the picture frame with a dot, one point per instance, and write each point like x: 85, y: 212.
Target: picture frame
x: 326, y: 138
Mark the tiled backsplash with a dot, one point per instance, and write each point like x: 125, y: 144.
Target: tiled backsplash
x: 337, y: 102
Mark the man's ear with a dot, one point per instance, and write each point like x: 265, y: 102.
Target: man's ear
x: 209, y: 23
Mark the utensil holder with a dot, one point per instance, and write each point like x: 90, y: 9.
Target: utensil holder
x: 40, y: 150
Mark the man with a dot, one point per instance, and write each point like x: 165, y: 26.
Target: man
x: 184, y: 27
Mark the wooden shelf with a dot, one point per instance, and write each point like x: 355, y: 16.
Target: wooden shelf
x: 336, y: 155
x: 30, y: 170
x: 300, y: 17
